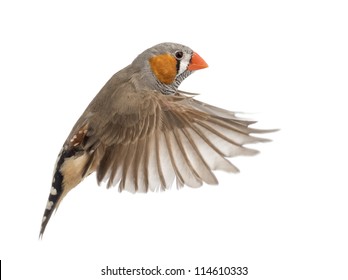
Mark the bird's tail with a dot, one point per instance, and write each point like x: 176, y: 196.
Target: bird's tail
x: 69, y: 171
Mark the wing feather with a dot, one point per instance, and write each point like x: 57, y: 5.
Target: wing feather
x: 156, y: 139
x: 127, y: 178
x: 188, y: 171
x: 154, y: 172
x: 165, y: 159
x: 197, y: 160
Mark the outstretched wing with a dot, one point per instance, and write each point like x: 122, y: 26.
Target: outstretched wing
x: 152, y: 139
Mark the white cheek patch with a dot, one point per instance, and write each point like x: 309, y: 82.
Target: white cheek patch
x: 183, y: 64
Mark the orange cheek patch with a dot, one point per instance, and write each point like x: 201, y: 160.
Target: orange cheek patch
x: 164, y: 68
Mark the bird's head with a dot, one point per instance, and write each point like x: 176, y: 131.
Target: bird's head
x: 164, y: 66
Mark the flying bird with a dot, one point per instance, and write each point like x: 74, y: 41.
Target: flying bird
x: 141, y: 132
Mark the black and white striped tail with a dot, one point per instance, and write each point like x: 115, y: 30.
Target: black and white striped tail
x: 57, y: 189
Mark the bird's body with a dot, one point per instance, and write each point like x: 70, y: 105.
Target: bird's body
x: 141, y: 132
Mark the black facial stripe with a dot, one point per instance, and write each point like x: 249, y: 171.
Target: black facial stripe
x: 177, y: 66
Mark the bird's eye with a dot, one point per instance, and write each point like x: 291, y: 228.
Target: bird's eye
x: 179, y: 55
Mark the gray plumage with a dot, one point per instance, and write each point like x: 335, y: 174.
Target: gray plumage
x: 143, y: 134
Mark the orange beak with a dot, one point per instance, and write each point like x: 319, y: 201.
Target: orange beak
x: 196, y: 62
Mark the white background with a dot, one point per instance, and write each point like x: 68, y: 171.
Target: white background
x: 284, y: 216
